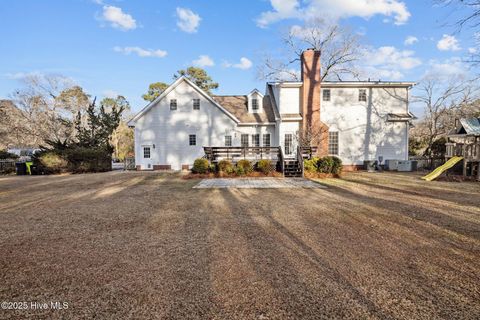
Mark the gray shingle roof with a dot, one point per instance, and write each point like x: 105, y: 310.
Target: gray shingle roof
x: 238, y: 106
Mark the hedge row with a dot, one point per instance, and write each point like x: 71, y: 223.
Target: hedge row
x: 241, y: 168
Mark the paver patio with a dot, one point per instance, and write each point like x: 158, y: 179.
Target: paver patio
x: 258, y: 183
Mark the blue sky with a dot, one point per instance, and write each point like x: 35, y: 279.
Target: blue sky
x: 116, y: 46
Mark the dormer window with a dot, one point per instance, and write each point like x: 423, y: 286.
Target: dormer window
x: 254, y: 104
x: 255, y: 101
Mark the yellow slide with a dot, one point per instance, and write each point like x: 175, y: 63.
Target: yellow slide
x: 437, y: 172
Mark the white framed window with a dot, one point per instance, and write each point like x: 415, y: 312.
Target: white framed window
x: 228, y: 141
x: 362, y: 95
x: 192, y: 139
x: 326, y: 94
x: 254, y: 104
x: 196, y: 104
x: 256, y: 140
x: 333, y: 143
x: 173, y: 104
x: 244, y: 140
x: 146, y: 152
x: 266, y: 140
x: 288, y: 143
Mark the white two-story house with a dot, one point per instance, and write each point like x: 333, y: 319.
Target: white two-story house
x: 355, y: 121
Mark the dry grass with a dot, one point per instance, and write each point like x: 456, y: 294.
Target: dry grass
x: 146, y: 245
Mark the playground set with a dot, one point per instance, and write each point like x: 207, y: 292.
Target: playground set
x: 463, y: 145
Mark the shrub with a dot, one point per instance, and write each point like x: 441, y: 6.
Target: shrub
x: 239, y: 171
x: 52, y: 162
x: 311, y: 165
x: 265, y: 166
x: 337, y: 165
x: 7, y: 155
x: 329, y: 164
x: 246, y: 165
x: 200, y: 165
x: 225, y: 166
x: 325, y: 165
x: 81, y: 159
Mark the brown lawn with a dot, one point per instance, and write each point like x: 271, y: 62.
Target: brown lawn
x: 146, y: 245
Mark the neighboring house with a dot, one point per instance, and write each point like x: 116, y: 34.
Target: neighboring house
x: 355, y: 121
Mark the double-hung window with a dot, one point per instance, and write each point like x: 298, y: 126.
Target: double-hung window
x: 173, y: 104
x: 196, y: 104
x: 326, y: 94
x: 333, y: 143
x: 362, y: 95
x: 244, y: 140
x: 254, y: 104
x: 146, y: 152
x: 192, y: 139
x: 228, y: 141
x: 256, y: 140
x: 266, y: 140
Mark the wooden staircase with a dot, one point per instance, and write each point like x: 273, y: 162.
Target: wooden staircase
x: 292, y: 168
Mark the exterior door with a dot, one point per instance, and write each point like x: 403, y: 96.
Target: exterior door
x: 147, y: 157
x: 288, y: 144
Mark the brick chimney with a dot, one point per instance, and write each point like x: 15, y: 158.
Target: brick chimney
x: 312, y: 128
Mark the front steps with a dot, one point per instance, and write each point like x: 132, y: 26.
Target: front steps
x: 292, y: 168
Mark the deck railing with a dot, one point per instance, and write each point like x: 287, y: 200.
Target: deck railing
x: 215, y: 154
x: 468, y: 151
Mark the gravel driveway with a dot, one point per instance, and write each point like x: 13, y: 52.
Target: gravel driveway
x: 147, y: 245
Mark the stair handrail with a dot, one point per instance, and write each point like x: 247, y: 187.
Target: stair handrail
x: 300, y: 159
x: 282, y: 161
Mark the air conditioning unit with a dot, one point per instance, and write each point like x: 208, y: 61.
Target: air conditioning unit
x: 391, y: 165
x: 407, y: 166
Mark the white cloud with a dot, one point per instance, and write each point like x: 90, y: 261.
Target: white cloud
x: 410, y: 40
x: 446, y: 70
x: 388, y: 62
x: 203, y: 61
x: 141, y: 52
x: 244, y: 64
x: 287, y: 9
x: 23, y: 75
x: 472, y: 50
x: 188, y: 20
x: 448, y: 43
x: 118, y: 19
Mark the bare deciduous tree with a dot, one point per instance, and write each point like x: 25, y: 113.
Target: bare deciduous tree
x: 49, y: 105
x: 338, y: 46
x: 442, y: 105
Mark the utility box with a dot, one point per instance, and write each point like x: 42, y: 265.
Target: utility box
x: 391, y: 165
x: 407, y: 166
